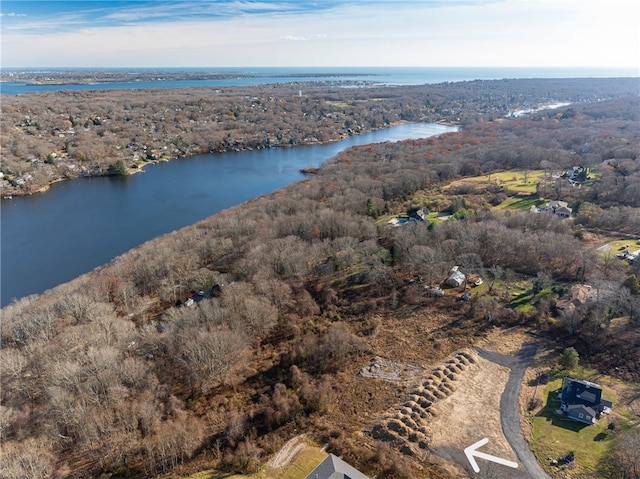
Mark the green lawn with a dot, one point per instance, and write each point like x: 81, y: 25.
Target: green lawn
x: 521, y: 203
x: 513, y: 180
x: 340, y: 104
x: 524, y: 300
x: 554, y: 436
x: 618, y: 246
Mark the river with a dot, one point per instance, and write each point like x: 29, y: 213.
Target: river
x: 50, y: 238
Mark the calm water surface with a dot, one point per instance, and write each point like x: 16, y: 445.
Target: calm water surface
x: 377, y: 75
x: 48, y: 239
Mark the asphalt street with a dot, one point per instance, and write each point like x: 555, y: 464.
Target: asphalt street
x: 509, y: 416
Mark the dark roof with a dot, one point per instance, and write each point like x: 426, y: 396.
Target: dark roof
x: 583, y: 397
x: 575, y: 391
x: 588, y: 396
x: 335, y: 468
x: 581, y: 413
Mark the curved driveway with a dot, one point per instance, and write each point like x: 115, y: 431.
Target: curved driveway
x: 509, y: 416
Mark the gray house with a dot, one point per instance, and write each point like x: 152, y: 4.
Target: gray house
x: 335, y: 468
x: 582, y: 401
x: 560, y: 208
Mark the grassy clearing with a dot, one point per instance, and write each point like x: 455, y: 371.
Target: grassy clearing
x: 618, y: 246
x: 438, y: 217
x: 298, y: 468
x: 609, y: 250
x: 554, y: 436
x: 518, y: 181
x: 525, y: 300
x: 339, y: 104
x: 513, y: 180
x: 521, y: 203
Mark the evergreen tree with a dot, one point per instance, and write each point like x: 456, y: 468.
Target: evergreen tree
x: 569, y: 359
x: 117, y: 169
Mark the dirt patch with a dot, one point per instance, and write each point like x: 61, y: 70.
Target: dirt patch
x: 507, y: 342
x: 385, y: 369
x: 472, y: 412
x: 452, y: 406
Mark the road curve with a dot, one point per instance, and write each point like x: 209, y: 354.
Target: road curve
x: 509, y: 415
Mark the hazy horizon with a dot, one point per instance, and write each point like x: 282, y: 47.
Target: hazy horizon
x: 328, y: 34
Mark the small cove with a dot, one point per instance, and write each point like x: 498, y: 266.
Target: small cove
x: 50, y: 238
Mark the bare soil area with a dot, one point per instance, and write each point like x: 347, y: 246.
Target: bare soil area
x: 472, y: 413
x: 505, y: 341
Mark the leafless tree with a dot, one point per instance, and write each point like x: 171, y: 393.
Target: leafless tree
x: 209, y: 356
x: 624, y: 462
x: 29, y: 458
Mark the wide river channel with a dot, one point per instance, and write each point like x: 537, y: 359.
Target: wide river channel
x: 50, y: 238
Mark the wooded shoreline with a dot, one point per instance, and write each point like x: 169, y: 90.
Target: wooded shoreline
x: 69, y: 134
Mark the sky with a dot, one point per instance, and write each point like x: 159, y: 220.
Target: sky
x: 305, y: 33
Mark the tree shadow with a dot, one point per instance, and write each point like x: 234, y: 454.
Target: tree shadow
x: 549, y: 412
x: 601, y: 436
x: 540, y: 380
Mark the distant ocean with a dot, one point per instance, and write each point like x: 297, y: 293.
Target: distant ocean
x: 376, y: 75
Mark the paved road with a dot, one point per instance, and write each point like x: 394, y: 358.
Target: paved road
x: 509, y: 416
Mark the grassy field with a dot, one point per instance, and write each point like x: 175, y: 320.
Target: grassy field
x: 521, y: 203
x: 618, y: 246
x: 513, y: 180
x: 298, y: 468
x: 554, y: 436
x: 340, y: 104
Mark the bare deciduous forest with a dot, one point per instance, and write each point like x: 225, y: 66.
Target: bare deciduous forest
x: 67, y: 134
x: 117, y: 372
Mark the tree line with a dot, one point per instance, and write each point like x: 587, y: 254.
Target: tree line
x: 51, y: 136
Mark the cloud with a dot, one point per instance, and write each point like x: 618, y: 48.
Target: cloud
x: 363, y: 33
x: 295, y: 38
x: 13, y: 14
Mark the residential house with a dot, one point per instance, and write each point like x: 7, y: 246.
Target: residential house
x: 577, y: 173
x: 419, y: 215
x: 335, y: 468
x: 563, y: 212
x: 560, y: 208
x: 581, y: 294
x: 456, y: 277
x: 552, y: 205
x: 582, y: 401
